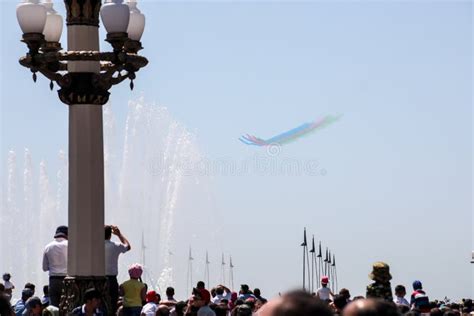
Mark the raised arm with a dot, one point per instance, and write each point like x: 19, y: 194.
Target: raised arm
x: 116, y: 231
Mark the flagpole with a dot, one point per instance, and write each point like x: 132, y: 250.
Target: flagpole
x: 335, y: 272
x: 189, y: 281
x: 331, y: 284
x: 320, y: 261
x: 309, y: 273
x: 223, y: 269
x: 312, y: 266
x: 206, y: 273
x: 326, y: 263
x: 231, y: 274
x: 143, y: 254
x: 304, y: 259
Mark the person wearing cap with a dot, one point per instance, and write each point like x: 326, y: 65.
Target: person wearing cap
x: 201, y: 300
x: 20, y: 306
x: 55, y: 263
x: 133, y: 291
x: 324, y: 293
x: 381, y: 287
x: 419, y: 299
x: 112, y: 252
x: 92, y: 300
x: 152, y: 300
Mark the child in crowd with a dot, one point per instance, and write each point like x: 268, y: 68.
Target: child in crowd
x: 9, y: 287
x: 400, y: 293
x: 324, y: 293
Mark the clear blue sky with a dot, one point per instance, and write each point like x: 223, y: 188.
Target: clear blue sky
x: 398, y: 186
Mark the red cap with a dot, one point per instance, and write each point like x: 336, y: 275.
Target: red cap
x: 324, y: 280
x: 205, y: 295
x: 151, y: 296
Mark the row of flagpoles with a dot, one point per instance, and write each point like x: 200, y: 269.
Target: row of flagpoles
x: 189, y: 282
x: 319, y: 267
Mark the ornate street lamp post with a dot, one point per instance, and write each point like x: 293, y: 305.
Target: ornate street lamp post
x: 84, y: 76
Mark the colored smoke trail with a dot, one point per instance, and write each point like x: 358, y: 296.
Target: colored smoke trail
x: 291, y: 135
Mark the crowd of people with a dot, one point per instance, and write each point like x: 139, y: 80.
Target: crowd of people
x: 134, y: 298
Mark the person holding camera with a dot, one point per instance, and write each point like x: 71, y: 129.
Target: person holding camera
x: 112, y: 253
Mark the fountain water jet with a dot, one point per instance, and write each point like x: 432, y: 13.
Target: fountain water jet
x: 145, y: 180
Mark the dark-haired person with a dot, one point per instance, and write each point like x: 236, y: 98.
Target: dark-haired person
x: 33, y: 307
x: 170, y: 300
x: 20, y: 306
x: 30, y: 286
x: 5, y: 306
x: 220, y: 290
x: 347, y: 295
x: 45, y: 298
x: 178, y: 309
x: 9, y: 287
x: 92, y: 300
x: 55, y: 262
x: 258, y: 295
x: 245, y: 292
x: 338, y: 304
x: 400, y: 293
x: 112, y: 252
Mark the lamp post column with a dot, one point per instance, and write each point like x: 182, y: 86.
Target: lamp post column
x: 86, y: 257
x: 84, y: 75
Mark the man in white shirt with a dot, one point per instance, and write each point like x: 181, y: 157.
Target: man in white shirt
x: 55, y: 262
x: 112, y: 253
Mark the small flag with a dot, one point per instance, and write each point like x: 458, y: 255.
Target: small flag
x: 320, y: 254
x: 313, y: 249
x: 304, y: 244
